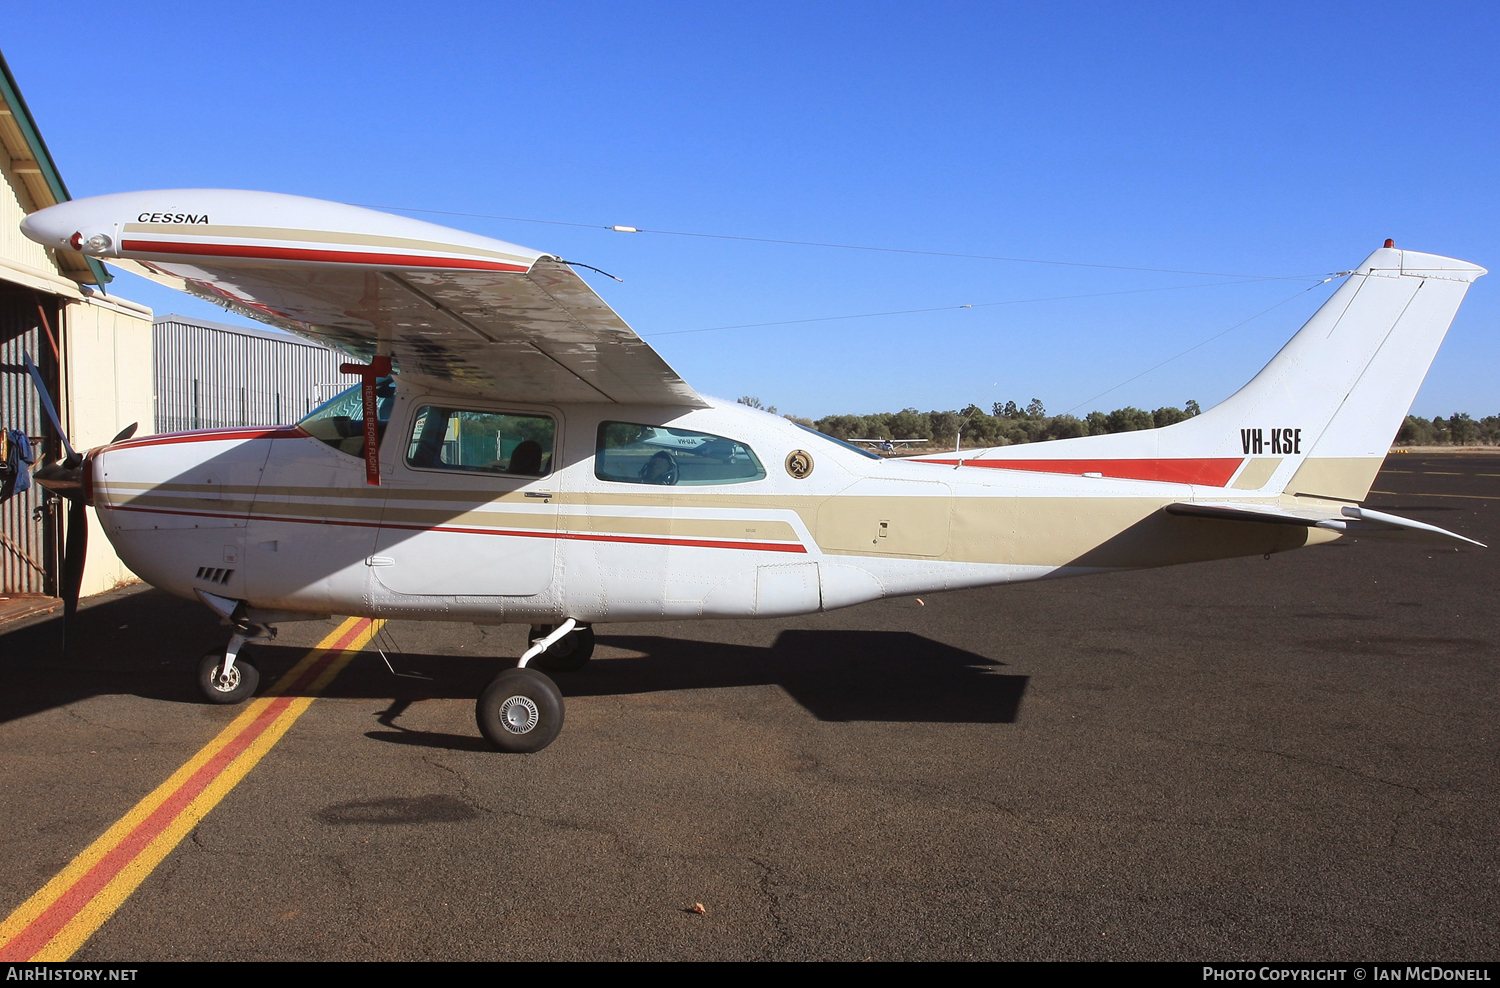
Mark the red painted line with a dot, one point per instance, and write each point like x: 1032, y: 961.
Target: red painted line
x: 323, y: 256
x: 56, y: 916
x: 213, y: 435
x: 573, y: 536
x: 1210, y: 472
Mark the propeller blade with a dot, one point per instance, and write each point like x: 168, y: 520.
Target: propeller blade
x: 75, y: 552
x: 41, y: 389
x: 125, y: 433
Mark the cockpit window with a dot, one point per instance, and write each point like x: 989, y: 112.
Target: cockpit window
x: 340, y: 421
x: 483, y: 442
x: 653, y: 454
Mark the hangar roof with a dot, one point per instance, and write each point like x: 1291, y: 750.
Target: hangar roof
x: 33, y: 166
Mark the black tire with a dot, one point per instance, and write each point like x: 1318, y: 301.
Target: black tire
x: 244, y: 678
x: 520, y: 711
x: 568, y: 655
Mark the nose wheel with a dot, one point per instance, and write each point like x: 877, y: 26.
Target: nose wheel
x: 233, y: 685
x: 227, y: 677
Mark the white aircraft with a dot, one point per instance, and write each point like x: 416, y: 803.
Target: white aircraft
x: 517, y: 454
x: 890, y: 445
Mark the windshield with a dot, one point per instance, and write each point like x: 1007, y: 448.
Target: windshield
x: 340, y: 421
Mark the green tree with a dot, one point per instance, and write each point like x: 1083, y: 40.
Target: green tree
x: 1066, y: 427
x: 1463, y: 429
x: 1128, y: 419
x: 1165, y: 416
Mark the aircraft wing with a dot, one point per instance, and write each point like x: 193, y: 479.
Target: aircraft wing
x: 458, y: 312
x: 1349, y: 519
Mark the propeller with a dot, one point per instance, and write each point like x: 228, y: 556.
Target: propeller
x: 67, y: 479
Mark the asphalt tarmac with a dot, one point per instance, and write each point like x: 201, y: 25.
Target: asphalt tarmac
x: 1292, y: 758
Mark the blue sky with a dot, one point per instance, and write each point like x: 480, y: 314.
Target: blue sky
x: 1280, y: 141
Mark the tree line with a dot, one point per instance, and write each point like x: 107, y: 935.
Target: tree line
x: 1008, y: 423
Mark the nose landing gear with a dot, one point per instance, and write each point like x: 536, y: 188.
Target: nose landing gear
x: 229, y: 678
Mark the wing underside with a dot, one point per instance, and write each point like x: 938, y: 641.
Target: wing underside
x: 457, y: 312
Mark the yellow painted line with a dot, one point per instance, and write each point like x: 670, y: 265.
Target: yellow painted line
x: 56, y: 921
x: 1441, y: 473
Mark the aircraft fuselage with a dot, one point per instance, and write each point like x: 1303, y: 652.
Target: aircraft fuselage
x: 760, y: 517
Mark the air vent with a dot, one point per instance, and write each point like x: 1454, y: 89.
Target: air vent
x: 214, y: 574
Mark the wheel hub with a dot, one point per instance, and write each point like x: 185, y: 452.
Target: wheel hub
x: 518, y: 714
x: 226, y: 683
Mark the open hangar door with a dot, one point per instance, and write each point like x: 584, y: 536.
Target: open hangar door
x: 30, y: 521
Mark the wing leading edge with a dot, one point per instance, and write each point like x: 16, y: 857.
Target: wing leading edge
x: 458, y: 312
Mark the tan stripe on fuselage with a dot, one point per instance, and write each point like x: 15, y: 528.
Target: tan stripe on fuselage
x: 1344, y: 478
x: 1027, y: 531
x: 1256, y: 473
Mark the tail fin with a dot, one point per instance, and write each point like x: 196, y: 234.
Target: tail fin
x: 1319, y: 418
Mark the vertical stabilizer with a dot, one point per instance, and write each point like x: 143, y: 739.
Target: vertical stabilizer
x: 1317, y: 420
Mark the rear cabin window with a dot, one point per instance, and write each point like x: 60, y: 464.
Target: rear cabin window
x: 653, y: 454
x: 481, y: 442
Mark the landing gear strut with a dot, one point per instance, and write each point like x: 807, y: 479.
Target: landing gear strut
x: 568, y: 654
x: 522, y: 710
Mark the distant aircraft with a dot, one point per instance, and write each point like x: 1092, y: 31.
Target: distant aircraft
x: 889, y: 445
x: 516, y: 453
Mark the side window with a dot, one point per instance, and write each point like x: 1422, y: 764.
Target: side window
x: 481, y: 442
x: 340, y: 421
x: 653, y: 454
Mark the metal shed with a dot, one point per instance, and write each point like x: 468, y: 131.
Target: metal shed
x: 210, y: 375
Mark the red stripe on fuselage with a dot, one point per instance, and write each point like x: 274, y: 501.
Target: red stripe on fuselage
x: 324, y: 256
x: 1210, y: 472
x: 214, y: 435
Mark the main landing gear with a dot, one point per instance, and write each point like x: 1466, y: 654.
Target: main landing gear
x: 522, y: 709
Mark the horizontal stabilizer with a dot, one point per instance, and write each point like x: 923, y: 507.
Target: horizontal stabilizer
x: 1350, y: 519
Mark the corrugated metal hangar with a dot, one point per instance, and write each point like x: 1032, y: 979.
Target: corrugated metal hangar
x: 211, y: 376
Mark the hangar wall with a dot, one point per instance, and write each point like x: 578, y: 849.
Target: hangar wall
x: 93, y: 351
x: 211, y: 376
x: 107, y: 365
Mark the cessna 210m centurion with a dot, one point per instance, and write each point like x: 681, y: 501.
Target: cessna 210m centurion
x: 516, y: 453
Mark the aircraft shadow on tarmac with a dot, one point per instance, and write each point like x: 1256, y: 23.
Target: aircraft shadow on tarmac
x: 835, y: 675
x: 148, y: 644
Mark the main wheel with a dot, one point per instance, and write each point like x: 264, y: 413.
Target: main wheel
x: 237, y: 687
x: 522, y: 710
x: 567, y: 655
